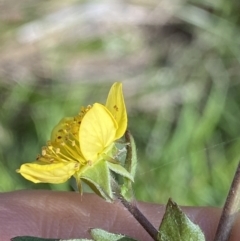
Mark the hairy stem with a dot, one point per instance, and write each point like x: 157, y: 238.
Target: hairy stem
x: 230, y: 209
x: 138, y: 215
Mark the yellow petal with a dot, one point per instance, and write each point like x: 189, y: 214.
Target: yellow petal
x: 48, y: 173
x: 116, y: 105
x: 97, y: 131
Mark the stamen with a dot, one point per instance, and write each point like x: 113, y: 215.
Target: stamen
x: 65, y: 147
x: 90, y: 163
x: 44, y: 152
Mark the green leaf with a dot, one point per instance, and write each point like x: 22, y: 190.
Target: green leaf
x: 98, y: 178
x: 177, y: 226
x: 76, y: 239
x: 29, y: 238
x: 102, y: 235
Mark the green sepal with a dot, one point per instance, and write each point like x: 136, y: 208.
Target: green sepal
x: 177, y: 226
x: 102, y: 235
x: 117, y: 168
x: 98, y: 177
x: 131, y: 158
x: 130, y: 165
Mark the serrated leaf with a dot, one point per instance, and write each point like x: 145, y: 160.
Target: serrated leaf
x: 177, y: 226
x: 102, y: 235
x: 98, y: 178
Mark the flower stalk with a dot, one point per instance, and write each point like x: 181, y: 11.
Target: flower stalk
x: 138, y: 215
x: 124, y: 193
x: 230, y: 209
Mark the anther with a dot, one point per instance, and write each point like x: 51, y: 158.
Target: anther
x: 90, y: 163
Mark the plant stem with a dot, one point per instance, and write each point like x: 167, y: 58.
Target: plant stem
x: 138, y: 215
x: 230, y: 209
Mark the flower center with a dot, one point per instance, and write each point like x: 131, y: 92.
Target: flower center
x: 65, y: 146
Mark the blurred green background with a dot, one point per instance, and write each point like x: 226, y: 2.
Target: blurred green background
x: 179, y: 64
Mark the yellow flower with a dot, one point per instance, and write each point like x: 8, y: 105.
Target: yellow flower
x: 84, y: 147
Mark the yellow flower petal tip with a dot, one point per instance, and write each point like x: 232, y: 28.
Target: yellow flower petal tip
x: 42, y: 172
x: 116, y: 105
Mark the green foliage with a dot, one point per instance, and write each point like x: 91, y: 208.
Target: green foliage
x: 29, y: 238
x: 102, y: 235
x: 177, y: 226
x: 97, y: 235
